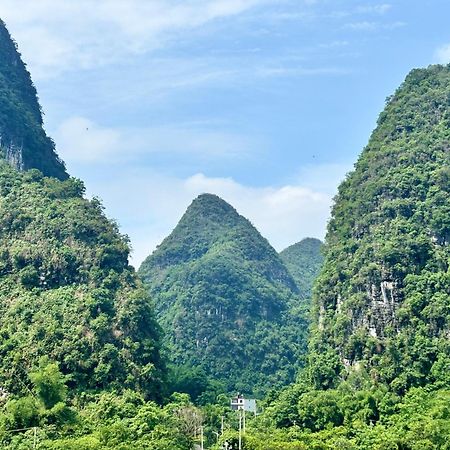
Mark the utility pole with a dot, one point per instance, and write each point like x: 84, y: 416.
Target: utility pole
x: 221, y: 426
x: 240, y: 429
x: 201, y: 438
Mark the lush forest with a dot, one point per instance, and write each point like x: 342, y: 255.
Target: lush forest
x: 96, y: 356
x: 226, y: 300
x: 379, y: 360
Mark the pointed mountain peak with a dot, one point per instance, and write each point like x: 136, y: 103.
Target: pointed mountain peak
x: 212, y: 206
x: 221, y: 292
x: 305, y: 245
x: 23, y: 141
x: 208, y: 220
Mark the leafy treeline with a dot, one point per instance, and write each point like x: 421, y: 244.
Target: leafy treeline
x: 304, y: 261
x: 80, y: 349
x: 46, y: 419
x: 225, y: 299
x: 345, y: 419
x: 23, y: 141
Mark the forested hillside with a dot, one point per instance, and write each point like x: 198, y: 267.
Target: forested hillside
x: 382, y: 301
x: 225, y: 300
x: 67, y: 292
x: 85, y: 365
x: 379, y: 357
x: 79, y: 343
x: 304, y: 261
x: 23, y: 141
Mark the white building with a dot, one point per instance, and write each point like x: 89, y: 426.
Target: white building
x: 245, y: 404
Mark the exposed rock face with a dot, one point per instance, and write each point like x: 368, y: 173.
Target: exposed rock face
x: 23, y: 141
x: 386, y: 251
x: 13, y: 154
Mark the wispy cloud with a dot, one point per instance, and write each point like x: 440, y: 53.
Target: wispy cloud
x: 374, y: 26
x: 381, y: 8
x: 81, y: 141
x: 362, y: 26
x: 298, y: 71
x: 57, y: 36
x: 442, y: 54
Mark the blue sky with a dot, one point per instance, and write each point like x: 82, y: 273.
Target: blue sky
x: 265, y: 103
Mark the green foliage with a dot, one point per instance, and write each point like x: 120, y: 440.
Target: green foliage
x: 382, y: 299
x: 100, y: 421
x: 357, y: 420
x: 80, y: 364
x: 68, y: 293
x: 49, y: 384
x: 228, y: 304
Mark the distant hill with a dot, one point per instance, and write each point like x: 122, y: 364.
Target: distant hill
x: 23, y: 141
x: 226, y: 300
x: 304, y: 261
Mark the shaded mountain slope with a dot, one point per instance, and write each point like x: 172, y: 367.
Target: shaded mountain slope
x: 304, y: 261
x: 23, y: 141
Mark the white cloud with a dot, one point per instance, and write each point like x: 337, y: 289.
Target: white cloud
x: 373, y: 26
x: 55, y: 36
x: 442, y: 54
x: 148, y: 205
x: 381, y: 8
x: 362, y: 26
x: 280, y: 71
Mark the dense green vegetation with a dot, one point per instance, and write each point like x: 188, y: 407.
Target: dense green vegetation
x: 304, y: 261
x: 81, y: 359
x: 46, y: 419
x: 226, y: 300
x: 345, y: 419
x: 23, y: 141
x: 67, y: 291
x: 382, y: 300
x: 379, y: 360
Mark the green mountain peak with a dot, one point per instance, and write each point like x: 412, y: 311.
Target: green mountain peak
x: 225, y: 299
x: 382, y: 300
x: 23, y: 141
